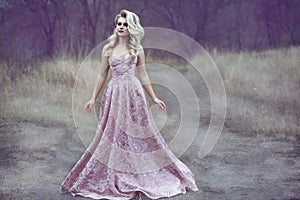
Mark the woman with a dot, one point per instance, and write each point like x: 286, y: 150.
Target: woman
x: 128, y: 155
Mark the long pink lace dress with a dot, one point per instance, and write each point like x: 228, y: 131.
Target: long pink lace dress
x: 127, y: 154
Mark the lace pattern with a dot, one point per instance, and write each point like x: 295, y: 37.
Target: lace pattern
x: 127, y: 153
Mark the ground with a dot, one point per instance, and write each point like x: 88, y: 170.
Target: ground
x: 37, y: 155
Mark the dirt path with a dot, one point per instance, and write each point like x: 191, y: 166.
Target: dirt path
x: 36, y: 157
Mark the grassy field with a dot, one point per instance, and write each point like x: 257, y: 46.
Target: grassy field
x: 262, y: 90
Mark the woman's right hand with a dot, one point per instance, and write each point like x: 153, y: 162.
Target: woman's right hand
x: 89, y: 105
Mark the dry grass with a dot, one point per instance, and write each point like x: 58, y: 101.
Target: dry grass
x: 36, y: 92
x: 262, y: 90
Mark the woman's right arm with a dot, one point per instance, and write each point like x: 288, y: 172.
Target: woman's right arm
x: 101, y: 78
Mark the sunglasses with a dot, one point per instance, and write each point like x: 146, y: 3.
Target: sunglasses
x: 120, y: 24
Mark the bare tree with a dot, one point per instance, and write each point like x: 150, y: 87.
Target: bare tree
x: 267, y: 17
x: 239, y: 24
x: 47, y: 13
x: 290, y: 21
x: 91, y: 15
x: 76, y: 26
x: 191, y: 17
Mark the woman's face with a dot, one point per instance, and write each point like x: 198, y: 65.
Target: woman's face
x: 122, y: 27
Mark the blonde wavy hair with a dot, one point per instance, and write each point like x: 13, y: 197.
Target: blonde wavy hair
x: 136, y: 33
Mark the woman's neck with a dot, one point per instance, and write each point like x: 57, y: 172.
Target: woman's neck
x: 123, y: 41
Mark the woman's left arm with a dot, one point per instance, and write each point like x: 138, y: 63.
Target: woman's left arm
x: 144, y: 78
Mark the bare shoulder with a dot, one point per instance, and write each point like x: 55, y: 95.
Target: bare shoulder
x: 140, y: 50
x: 105, y: 48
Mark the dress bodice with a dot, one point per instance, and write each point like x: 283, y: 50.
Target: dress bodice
x: 122, y: 66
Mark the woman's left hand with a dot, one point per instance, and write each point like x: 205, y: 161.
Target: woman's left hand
x: 161, y: 104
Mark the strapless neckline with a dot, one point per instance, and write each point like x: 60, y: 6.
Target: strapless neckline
x: 122, y: 57
x: 126, y: 58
